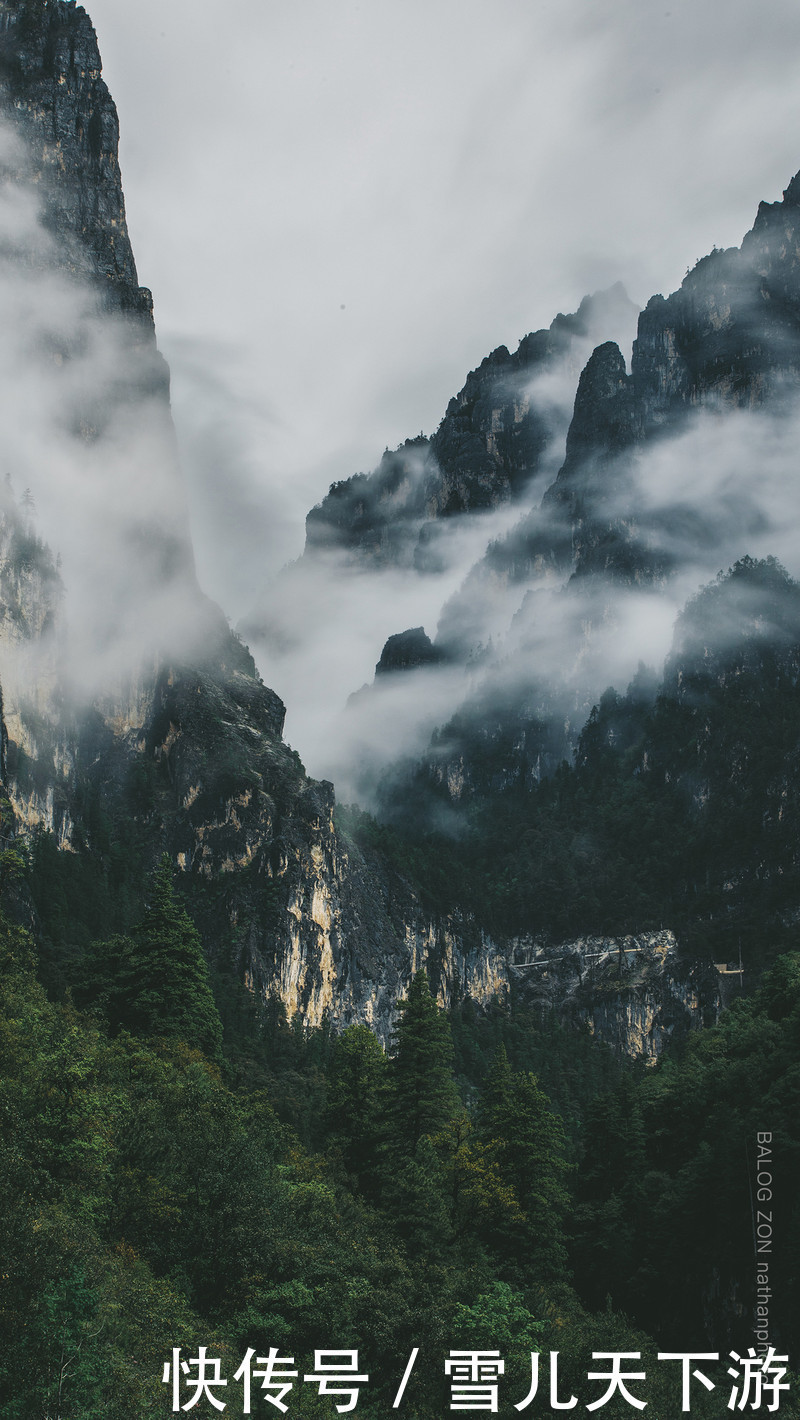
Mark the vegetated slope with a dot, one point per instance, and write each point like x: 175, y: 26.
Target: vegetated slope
x: 680, y: 808
x: 537, y: 614
x: 150, y: 1203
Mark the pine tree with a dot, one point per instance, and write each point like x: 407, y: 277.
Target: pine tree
x: 424, y: 1097
x: 495, y: 1094
x: 356, y: 1089
x: 173, y: 990
x: 157, y: 983
x: 526, y: 1140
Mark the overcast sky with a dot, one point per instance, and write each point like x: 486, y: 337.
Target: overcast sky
x: 342, y: 207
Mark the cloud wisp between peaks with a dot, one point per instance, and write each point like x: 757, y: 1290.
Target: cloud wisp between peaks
x: 723, y: 489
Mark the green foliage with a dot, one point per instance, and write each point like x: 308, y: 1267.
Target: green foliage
x: 156, y: 984
x: 526, y: 1141
x: 81, y: 1322
x: 423, y: 1093
x: 145, y: 1204
x: 357, y: 1083
x: 666, y: 1193
x: 499, y: 1320
x: 172, y: 993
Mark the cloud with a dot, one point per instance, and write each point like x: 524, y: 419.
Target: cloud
x: 346, y: 207
x: 86, y: 429
x: 724, y: 488
x: 375, y: 198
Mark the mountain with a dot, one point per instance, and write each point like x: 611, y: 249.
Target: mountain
x: 728, y: 339
x: 496, y: 436
x: 205, y: 1149
x: 658, y: 489
x: 542, y: 572
x: 407, y: 532
x: 135, y: 720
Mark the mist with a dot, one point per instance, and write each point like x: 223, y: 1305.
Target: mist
x: 317, y: 630
x: 89, y: 457
x: 337, y: 262
x: 342, y: 210
x: 724, y: 488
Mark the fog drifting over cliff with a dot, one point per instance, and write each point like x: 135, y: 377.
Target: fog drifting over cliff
x: 374, y: 200
x: 88, y: 447
x: 341, y: 210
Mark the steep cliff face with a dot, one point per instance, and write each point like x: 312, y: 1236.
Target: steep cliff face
x: 732, y: 331
x: 495, y: 437
x: 53, y: 95
x: 277, y: 891
x: 497, y: 430
x: 37, y: 751
x: 633, y: 992
x: 180, y: 748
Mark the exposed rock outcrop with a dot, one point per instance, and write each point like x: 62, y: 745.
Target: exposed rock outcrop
x: 633, y: 992
x: 490, y: 445
x: 406, y: 651
x: 181, y: 748
x: 53, y: 95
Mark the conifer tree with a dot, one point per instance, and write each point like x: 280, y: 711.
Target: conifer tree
x: 172, y: 988
x: 424, y: 1097
x: 526, y: 1140
x: 356, y: 1088
x: 156, y: 983
x: 495, y: 1094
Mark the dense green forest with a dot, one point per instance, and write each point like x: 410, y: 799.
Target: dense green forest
x: 181, y: 1168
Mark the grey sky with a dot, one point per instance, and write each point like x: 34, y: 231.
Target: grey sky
x: 342, y: 207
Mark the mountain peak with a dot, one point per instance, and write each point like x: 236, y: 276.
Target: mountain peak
x: 791, y: 195
x: 53, y: 95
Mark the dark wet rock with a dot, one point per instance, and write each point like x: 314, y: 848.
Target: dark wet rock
x: 407, y: 651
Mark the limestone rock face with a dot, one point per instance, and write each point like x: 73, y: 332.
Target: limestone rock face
x: 53, y: 94
x: 180, y: 748
x: 633, y: 992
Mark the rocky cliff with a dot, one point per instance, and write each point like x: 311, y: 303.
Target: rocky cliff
x: 636, y: 993
x: 494, y: 439
x: 54, y: 97
x: 180, y: 748
x: 728, y: 339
